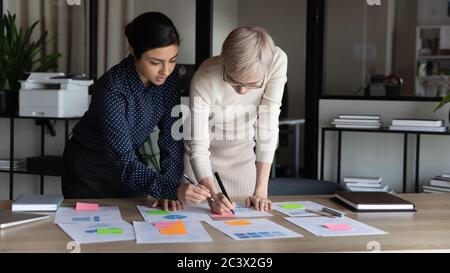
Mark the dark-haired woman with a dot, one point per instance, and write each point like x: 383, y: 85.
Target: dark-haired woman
x: 129, y: 101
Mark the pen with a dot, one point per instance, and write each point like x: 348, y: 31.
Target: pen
x: 320, y: 213
x: 222, y: 188
x: 195, y: 183
x: 333, y: 212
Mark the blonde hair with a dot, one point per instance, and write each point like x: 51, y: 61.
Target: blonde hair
x: 247, y: 51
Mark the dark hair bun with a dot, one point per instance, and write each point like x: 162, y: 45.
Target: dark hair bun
x: 149, y: 31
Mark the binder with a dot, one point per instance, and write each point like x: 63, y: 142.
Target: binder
x: 373, y: 202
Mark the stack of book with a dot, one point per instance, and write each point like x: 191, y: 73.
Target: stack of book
x: 426, y: 125
x: 357, y: 121
x: 438, y: 184
x: 17, y: 165
x: 366, y: 184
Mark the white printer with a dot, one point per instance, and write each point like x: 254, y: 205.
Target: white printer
x: 53, y: 95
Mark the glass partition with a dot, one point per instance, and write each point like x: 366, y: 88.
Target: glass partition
x: 400, y: 48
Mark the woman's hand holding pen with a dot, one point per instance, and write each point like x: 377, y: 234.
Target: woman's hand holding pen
x: 221, y: 203
x: 190, y: 194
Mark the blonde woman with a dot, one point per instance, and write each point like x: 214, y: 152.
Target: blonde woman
x: 235, y: 105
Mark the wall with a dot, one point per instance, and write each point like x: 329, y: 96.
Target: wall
x: 405, y: 44
x: 358, y: 37
x: 182, y: 13
x: 365, y: 154
x: 286, y: 21
x: 225, y: 19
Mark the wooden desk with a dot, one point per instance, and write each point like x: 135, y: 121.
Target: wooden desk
x: 426, y: 230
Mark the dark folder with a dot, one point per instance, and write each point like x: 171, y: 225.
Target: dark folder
x: 373, y: 202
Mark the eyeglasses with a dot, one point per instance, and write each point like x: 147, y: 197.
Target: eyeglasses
x: 241, y: 85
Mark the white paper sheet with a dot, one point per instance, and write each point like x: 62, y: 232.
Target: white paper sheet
x: 258, y: 229
x: 71, y: 216
x: 87, y: 233
x: 297, y: 212
x: 240, y: 212
x: 191, y: 213
x: 147, y: 233
x: 316, y: 226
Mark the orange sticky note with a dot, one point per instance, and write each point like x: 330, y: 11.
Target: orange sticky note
x: 87, y: 207
x: 178, y: 228
x: 238, y: 223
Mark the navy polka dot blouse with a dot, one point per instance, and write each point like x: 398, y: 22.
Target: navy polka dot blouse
x: 122, y: 114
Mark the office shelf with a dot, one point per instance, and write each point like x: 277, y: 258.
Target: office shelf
x: 378, y: 131
x: 43, y: 125
x: 432, y: 62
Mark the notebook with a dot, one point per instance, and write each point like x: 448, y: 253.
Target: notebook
x: 418, y: 122
x: 371, y: 117
x: 30, y: 202
x: 373, y: 201
x: 9, y: 218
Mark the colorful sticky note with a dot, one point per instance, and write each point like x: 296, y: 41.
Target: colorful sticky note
x: 238, y: 223
x: 292, y: 206
x: 157, y: 212
x: 107, y: 231
x: 338, y: 227
x: 87, y: 207
x: 224, y: 215
x: 177, y: 228
x: 163, y: 224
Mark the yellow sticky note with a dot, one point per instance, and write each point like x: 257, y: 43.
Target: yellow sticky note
x: 178, y: 228
x: 238, y: 223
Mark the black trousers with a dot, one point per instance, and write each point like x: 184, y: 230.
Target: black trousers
x: 91, y: 175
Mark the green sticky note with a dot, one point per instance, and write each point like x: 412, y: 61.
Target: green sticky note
x: 292, y: 206
x: 106, y: 231
x: 157, y: 212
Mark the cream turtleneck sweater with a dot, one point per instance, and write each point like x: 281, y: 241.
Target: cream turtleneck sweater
x: 219, y: 113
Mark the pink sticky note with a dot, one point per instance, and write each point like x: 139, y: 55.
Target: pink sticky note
x: 164, y: 224
x: 87, y: 207
x: 338, y: 227
x: 224, y: 215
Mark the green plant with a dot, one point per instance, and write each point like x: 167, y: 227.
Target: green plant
x: 446, y: 99
x: 19, y: 54
x: 149, y: 154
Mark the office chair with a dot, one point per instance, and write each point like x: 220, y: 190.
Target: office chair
x: 301, y: 186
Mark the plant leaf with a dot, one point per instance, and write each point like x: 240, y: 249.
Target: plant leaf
x: 19, y: 54
x: 444, y: 101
